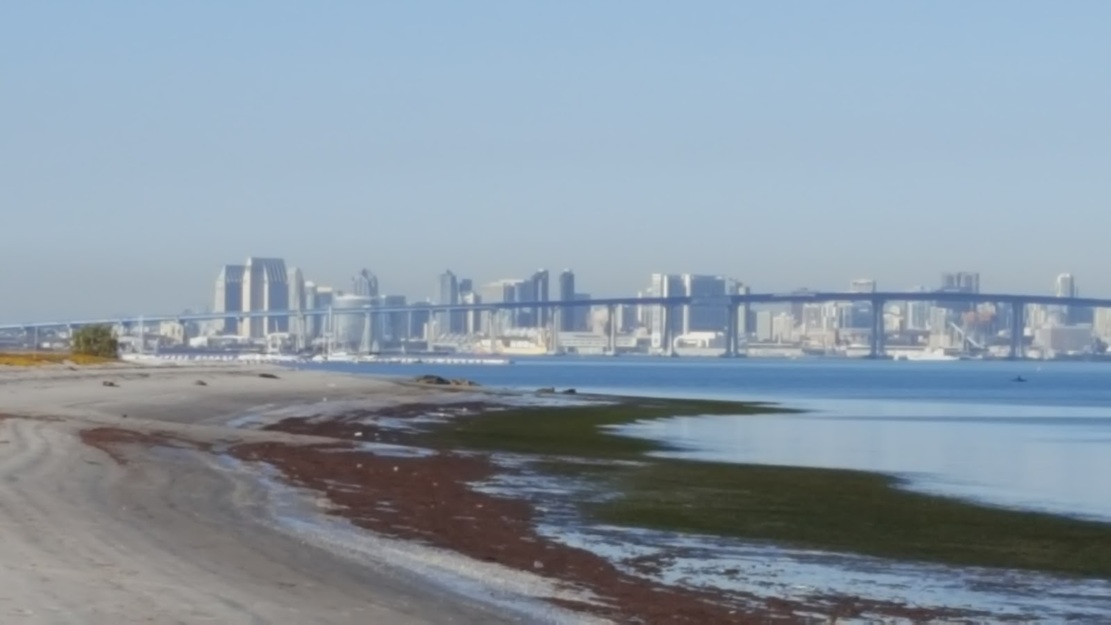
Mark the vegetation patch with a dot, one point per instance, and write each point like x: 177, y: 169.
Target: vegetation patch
x: 576, y: 429
x: 98, y: 341
x: 38, y: 359
x: 833, y: 510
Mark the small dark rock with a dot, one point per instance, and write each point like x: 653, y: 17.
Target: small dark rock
x: 108, y: 383
x: 200, y: 383
x: 269, y: 376
x: 570, y: 391
x: 432, y: 379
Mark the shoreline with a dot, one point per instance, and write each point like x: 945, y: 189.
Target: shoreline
x: 351, y: 440
x: 149, y: 504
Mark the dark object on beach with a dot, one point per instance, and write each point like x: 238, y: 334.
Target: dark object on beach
x: 108, y: 383
x: 569, y: 391
x: 200, y: 383
x: 269, y: 376
x: 546, y: 389
x: 439, y: 381
x: 1019, y: 379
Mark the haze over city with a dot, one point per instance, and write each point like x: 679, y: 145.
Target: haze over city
x: 145, y: 146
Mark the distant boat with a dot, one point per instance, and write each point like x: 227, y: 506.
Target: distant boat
x: 1019, y: 379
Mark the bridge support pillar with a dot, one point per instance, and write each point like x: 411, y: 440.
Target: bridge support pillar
x: 731, y: 330
x: 876, y: 340
x: 302, y: 332
x: 1018, y: 327
x: 669, y: 334
x: 611, y: 334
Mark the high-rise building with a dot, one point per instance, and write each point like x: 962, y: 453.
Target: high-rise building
x: 472, y: 319
x: 961, y: 282
x: 350, y: 316
x: 312, y: 323
x: 449, y: 322
x: 265, y: 289
x: 582, y: 313
x: 567, y: 294
x: 862, y: 285
x: 1066, y: 285
x: 918, y: 313
x: 365, y: 284
x: 711, y: 317
x: 390, y: 327
x: 229, y: 297
x: 499, y: 292
x: 541, y: 291
x: 861, y: 315
x: 298, y: 326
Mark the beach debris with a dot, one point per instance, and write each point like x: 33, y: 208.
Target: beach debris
x: 108, y: 383
x: 358, y: 434
x: 268, y: 376
x: 200, y: 383
x: 442, y: 381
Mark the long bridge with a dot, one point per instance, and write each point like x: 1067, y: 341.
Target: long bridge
x: 730, y: 303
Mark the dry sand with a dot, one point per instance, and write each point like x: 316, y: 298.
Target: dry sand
x: 176, y: 536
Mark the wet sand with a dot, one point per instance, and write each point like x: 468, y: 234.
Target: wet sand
x: 158, y: 533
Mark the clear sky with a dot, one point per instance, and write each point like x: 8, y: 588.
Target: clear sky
x: 144, y: 144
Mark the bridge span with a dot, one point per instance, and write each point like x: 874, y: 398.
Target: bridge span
x: 732, y: 303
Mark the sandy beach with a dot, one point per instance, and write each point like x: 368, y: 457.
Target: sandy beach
x: 126, y: 533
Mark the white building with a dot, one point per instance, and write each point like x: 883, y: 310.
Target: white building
x: 1102, y: 324
x: 265, y: 289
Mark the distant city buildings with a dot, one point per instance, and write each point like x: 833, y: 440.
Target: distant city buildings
x: 542, y: 317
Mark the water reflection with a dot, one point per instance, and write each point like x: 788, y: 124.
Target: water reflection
x: 1033, y: 457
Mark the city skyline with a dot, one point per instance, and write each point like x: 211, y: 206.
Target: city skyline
x: 365, y: 280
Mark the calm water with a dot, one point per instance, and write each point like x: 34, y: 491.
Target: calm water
x: 958, y: 428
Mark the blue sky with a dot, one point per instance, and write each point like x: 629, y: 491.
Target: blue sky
x: 784, y: 144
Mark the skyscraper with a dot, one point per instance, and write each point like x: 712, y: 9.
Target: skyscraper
x: 961, y: 282
x: 265, y: 289
x: 298, y: 327
x: 1066, y: 285
x: 449, y: 322
x: 704, y: 318
x: 540, y: 291
x: 365, y: 284
x: 567, y: 294
x: 229, y: 297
